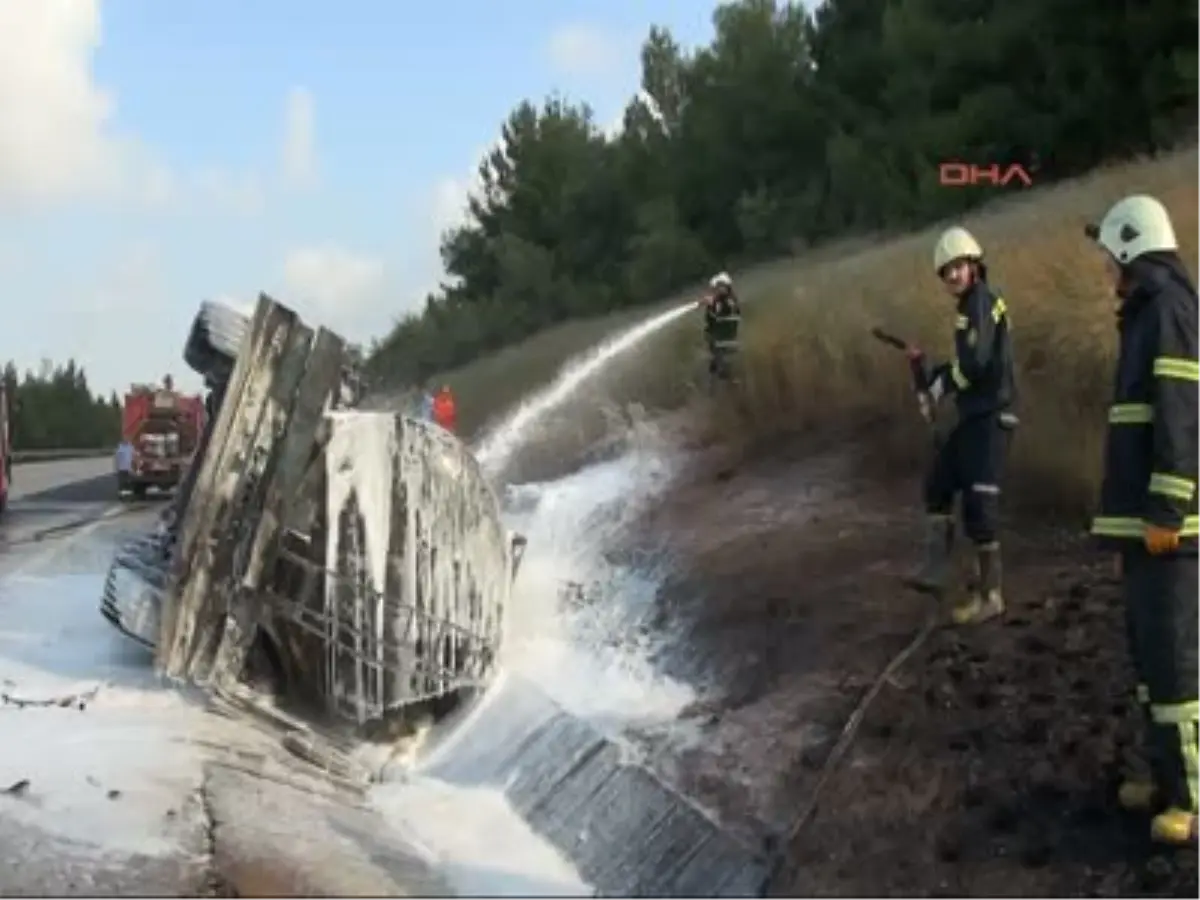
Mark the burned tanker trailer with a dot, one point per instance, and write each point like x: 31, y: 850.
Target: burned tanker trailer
x: 354, y: 562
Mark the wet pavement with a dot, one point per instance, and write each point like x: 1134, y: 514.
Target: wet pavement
x: 112, y: 783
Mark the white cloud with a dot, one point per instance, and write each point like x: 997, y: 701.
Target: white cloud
x: 333, y: 286
x: 581, y: 49
x: 57, y: 136
x: 54, y: 118
x: 299, y: 138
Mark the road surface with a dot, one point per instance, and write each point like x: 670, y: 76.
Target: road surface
x: 112, y: 784
x: 47, y: 499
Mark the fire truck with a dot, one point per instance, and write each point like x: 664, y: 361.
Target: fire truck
x: 160, y: 430
x: 5, y: 448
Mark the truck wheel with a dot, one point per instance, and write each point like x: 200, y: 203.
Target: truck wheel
x: 139, y: 492
x: 215, y: 340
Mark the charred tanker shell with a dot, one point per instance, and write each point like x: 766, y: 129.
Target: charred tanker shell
x: 359, y: 556
x: 420, y: 566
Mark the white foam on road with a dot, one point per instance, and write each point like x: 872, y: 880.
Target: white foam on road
x: 128, y: 738
x: 589, y: 656
x: 134, y: 736
x: 480, y: 845
x: 588, y: 651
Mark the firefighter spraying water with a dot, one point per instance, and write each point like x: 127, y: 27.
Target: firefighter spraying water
x: 722, y: 322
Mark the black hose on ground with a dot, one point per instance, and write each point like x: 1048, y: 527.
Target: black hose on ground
x: 778, y: 857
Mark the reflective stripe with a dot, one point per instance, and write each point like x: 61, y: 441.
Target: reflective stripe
x: 1009, y: 420
x: 961, y: 322
x: 1143, y: 694
x: 1177, y: 367
x: 1172, y: 486
x: 732, y: 318
x: 1130, y: 414
x: 1190, y: 748
x: 724, y: 345
x: 1131, y: 527
x: 1184, y: 717
x: 1175, y: 713
x: 985, y: 488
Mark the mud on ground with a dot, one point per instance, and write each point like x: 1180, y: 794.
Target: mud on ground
x: 985, y: 766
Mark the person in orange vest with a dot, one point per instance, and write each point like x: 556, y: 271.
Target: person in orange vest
x: 444, y: 411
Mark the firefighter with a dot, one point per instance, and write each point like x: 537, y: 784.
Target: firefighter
x: 445, y: 413
x: 1148, y: 512
x: 970, y: 461
x: 722, y: 320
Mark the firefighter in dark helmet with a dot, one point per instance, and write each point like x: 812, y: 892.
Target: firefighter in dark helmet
x: 970, y: 461
x: 1148, y: 499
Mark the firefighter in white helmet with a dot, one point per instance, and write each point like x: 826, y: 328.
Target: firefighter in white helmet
x: 722, y: 322
x: 1148, y: 512
x: 970, y: 461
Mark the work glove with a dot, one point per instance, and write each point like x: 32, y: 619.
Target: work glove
x: 1160, y: 540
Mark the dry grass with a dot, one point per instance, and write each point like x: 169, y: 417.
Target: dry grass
x: 488, y: 387
x: 811, y: 369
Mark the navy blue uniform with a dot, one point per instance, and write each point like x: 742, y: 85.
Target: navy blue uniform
x: 981, y: 377
x: 722, y: 322
x: 1150, y: 475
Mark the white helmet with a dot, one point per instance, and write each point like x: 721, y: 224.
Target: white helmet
x: 721, y: 280
x: 1134, y: 226
x: 955, y: 243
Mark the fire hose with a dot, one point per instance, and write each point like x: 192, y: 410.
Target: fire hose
x: 919, y: 370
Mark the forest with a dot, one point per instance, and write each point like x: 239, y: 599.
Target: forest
x: 788, y: 130
x: 55, y: 409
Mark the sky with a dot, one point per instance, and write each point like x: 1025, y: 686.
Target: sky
x: 154, y: 154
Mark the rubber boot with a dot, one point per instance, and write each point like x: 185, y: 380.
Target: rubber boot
x: 986, y: 600
x: 1174, y: 826
x: 1137, y: 794
x: 934, y: 573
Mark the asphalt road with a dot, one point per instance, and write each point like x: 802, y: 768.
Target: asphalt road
x: 50, y: 500
x: 64, y: 480
x: 242, y: 817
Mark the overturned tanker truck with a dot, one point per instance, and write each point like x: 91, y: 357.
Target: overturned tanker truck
x: 353, y: 564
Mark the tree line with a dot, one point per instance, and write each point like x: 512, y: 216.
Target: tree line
x: 54, y: 409
x: 789, y: 129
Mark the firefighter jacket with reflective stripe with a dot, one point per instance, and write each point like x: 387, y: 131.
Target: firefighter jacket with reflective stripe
x: 722, y: 318
x: 1150, y: 448
x: 981, y: 374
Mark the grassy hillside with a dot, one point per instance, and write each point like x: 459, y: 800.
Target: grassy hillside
x: 811, y: 370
